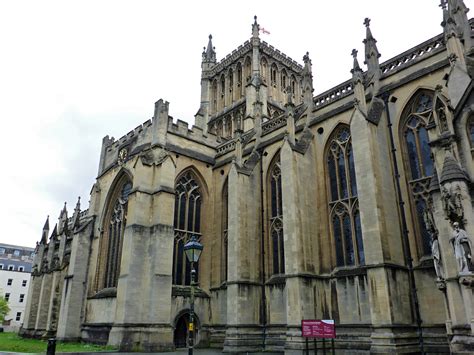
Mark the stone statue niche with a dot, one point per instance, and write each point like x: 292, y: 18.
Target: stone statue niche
x: 462, y: 249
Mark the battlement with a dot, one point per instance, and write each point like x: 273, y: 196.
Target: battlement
x: 181, y: 128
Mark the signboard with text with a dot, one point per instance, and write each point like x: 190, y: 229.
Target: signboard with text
x: 318, y: 328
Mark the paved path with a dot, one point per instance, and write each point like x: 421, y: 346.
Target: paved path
x: 182, y: 351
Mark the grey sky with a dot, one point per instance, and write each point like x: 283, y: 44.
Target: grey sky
x: 72, y: 72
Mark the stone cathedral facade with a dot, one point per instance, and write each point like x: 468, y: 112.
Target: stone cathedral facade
x: 353, y: 205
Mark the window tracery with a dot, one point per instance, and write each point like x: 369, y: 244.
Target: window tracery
x: 417, y: 116
x: 112, y: 238
x: 276, y: 219
x: 343, y: 202
x: 187, y: 222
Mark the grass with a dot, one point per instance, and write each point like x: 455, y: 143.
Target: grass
x: 13, y: 342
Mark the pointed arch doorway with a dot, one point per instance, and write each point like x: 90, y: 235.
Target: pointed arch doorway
x: 181, y: 333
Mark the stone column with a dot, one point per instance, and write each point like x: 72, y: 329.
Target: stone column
x: 74, y: 286
x: 43, y: 304
x: 144, y: 285
x: 244, y: 288
x: 298, y: 291
x: 387, y: 278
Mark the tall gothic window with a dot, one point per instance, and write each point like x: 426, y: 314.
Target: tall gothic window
x: 276, y: 219
x: 416, y: 117
x: 343, y: 203
x: 225, y: 224
x: 112, y: 237
x: 187, y: 222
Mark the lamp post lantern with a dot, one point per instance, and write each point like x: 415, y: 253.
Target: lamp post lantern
x: 193, y: 251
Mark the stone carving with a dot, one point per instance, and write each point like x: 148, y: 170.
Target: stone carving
x: 437, y: 259
x: 452, y: 204
x: 462, y: 249
x: 443, y: 121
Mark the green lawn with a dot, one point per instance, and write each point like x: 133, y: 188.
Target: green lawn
x: 12, y: 342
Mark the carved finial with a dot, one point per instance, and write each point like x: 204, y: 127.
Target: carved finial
x: 78, y: 204
x: 367, y: 22
x: 209, y: 54
x: 443, y: 4
x: 255, y: 27
x: 46, y: 224
x: 356, y: 70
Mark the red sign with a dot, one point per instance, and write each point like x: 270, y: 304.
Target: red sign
x: 317, y: 328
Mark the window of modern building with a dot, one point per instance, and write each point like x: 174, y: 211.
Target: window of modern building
x: 11, y: 267
x: 112, y: 237
x: 18, y: 316
x: 417, y: 115
x: 344, y: 213
x: 24, y: 282
x: 276, y: 218
x: 22, y: 297
x: 7, y: 296
x: 187, y: 222
x: 9, y: 282
x: 16, y: 253
x: 2, y: 251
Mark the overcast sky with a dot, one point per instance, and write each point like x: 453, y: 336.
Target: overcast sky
x: 72, y: 72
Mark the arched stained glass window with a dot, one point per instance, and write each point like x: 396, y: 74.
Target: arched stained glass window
x: 187, y: 222
x: 416, y: 117
x: 343, y: 203
x: 112, y: 238
x: 225, y: 224
x: 276, y: 219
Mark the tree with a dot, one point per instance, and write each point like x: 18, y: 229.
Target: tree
x: 4, y: 309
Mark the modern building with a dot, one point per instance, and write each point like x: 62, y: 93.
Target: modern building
x: 352, y: 205
x: 15, y: 271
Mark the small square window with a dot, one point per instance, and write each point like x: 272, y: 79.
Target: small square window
x: 7, y: 296
x: 11, y: 267
x: 24, y: 282
x: 22, y: 298
x: 18, y: 316
x: 9, y: 282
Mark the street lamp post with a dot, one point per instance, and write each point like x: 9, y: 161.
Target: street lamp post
x: 193, y: 251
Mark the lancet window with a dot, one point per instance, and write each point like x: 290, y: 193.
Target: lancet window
x: 343, y: 203
x: 112, y: 238
x: 416, y: 117
x: 276, y: 219
x: 225, y: 224
x: 187, y: 222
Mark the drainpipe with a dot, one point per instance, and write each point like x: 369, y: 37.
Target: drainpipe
x: 405, y: 241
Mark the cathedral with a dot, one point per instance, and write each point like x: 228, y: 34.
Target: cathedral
x: 354, y: 205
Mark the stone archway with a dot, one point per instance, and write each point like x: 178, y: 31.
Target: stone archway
x: 181, y: 333
x: 180, y: 337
